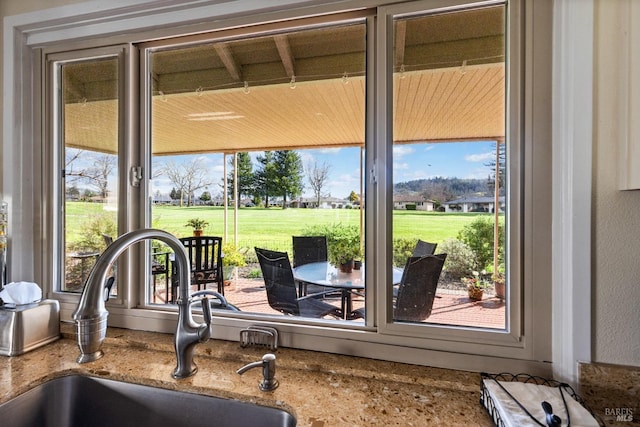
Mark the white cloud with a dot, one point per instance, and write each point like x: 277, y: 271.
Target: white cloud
x: 330, y: 150
x: 482, y: 157
x: 401, y: 150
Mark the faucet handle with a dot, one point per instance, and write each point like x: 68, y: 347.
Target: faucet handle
x: 107, y: 287
x: 206, y: 307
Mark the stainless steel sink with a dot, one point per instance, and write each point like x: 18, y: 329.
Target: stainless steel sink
x: 77, y: 400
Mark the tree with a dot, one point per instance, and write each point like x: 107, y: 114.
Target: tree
x: 246, y: 178
x: 353, y: 197
x: 289, y: 174
x: 317, y: 176
x: 279, y: 173
x: 265, y: 176
x: 187, y: 177
x: 175, y: 194
x: 205, y: 196
x: 97, y: 175
x: 502, y: 170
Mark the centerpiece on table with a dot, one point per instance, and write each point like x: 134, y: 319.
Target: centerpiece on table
x: 344, y: 248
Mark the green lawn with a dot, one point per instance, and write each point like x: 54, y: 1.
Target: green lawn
x: 273, y: 227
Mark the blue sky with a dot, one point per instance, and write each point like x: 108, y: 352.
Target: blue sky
x: 411, y: 161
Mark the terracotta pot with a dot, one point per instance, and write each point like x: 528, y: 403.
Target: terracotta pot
x: 475, y: 294
x: 198, y: 233
x: 500, y: 289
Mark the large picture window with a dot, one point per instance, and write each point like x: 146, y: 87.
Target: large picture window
x: 258, y: 142
x: 344, y: 174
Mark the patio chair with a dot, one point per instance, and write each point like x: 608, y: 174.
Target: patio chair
x: 417, y: 288
x: 205, y: 257
x: 423, y: 248
x: 308, y: 249
x: 281, y: 288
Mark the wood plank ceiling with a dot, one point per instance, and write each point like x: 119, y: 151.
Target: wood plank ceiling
x: 307, y: 89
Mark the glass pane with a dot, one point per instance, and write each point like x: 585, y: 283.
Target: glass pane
x: 89, y: 111
x: 283, y: 117
x: 448, y: 148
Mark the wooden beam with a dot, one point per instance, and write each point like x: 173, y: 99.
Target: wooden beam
x: 284, y: 49
x: 224, y: 52
x: 401, y: 36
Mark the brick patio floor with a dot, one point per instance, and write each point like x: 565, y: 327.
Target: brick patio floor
x: 449, y: 308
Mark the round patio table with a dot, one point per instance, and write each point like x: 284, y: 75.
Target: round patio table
x: 325, y: 274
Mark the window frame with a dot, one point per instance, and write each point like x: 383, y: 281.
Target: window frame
x: 367, y: 342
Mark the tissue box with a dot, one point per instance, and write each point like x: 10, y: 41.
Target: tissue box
x: 27, y: 327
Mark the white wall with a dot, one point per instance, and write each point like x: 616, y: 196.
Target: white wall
x: 616, y: 214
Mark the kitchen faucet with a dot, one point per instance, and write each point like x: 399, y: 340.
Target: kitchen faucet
x: 91, y: 315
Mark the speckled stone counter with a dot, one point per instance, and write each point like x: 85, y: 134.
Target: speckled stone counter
x: 612, y: 392
x: 320, y: 389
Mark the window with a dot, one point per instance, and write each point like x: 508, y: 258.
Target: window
x: 282, y: 115
x: 448, y: 148
x: 377, y: 84
x: 88, y: 136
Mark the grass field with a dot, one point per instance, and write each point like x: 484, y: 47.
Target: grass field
x: 273, y: 227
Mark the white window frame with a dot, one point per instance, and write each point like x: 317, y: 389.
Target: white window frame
x: 24, y: 140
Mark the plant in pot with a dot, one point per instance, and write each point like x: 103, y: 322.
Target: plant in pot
x: 198, y: 225
x: 343, y: 244
x: 231, y: 258
x: 475, y: 286
x: 499, y: 285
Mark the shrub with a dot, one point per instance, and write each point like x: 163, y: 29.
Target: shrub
x: 232, y: 256
x: 478, y: 236
x: 460, y: 258
x: 91, y: 239
x: 410, y: 206
x: 402, y: 249
x: 343, y: 241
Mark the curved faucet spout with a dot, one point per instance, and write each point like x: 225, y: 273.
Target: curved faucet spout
x: 91, y: 315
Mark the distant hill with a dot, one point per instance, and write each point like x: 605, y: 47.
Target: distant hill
x: 444, y: 189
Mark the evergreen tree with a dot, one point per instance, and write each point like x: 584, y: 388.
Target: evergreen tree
x: 246, y: 184
x: 289, y: 174
x: 265, y: 177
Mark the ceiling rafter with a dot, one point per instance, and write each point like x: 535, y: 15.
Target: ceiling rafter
x: 284, y: 49
x: 401, y: 35
x: 226, y: 56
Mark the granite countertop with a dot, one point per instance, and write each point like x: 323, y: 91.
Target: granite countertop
x: 320, y: 389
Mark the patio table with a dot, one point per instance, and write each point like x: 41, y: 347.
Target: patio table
x: 325, y: 274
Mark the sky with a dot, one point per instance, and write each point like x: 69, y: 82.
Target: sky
x: 411, y: 162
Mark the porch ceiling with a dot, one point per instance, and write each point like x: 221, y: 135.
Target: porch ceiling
x: 445, y: 89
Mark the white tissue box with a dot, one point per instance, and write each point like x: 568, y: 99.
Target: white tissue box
x: 28, y: 327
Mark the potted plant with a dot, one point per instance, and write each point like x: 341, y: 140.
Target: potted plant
x: 231, y: 258
x: 198, y: 225
x: 475, y: 286
x: 343, y: 245
x: 499, y: 285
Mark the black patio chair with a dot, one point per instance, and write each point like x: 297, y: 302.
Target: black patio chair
x: 205, y: 257
x: 308, y: 249
x: 423, y: 248
x: 417, y: 288
x: 281, y: 288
